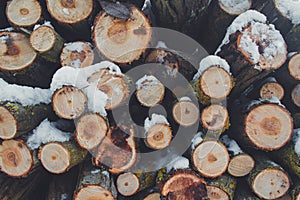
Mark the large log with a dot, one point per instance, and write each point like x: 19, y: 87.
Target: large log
x: 185, y: 112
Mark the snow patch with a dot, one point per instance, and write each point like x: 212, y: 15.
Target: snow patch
x: 4, y: 38
x: 147, y: 4
x: 178, y: 163
x: 75, y: 46
x: 64, y: 76
x: 235, y: 7
x: 290, y: 9
x: 296, y: 139
x: 46, y: 23
x: 23, y: 94
x: 97, y: 99
x: 274, y: 100
x: 231, y: 145
x: 161, y: 44
x: 46, y: 132
x: 66, y: 11
x: 145, y: 81
x: 185, y: 99
x: 76, y: 63
x: 155, y: 119
x: 197, y: 139
x: 210, y: 61
x: 8, y: 29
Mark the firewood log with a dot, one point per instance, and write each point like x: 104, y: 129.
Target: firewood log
x: 253, y: 48
x: 122, y: 40
x: 58, y: 158
x: 268, y: 180
x: 94, y: 183
x: 185, y: 112
x: 222, y: 187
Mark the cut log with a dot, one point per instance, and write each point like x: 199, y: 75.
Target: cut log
x: 293, y: 66
x: 222, y: 187
x: 77, y: 54
x: 159, y: 136
x: 210, y: 158
x: 23, y: 13
x: 16, y: 159
x: 47, y: 43
x: 252, y: 48
x: 129, y: 183
x: 150, y: 91
x: 296, y: 95
x: 16, y: 119
x: 120, y: 40
x: 90, y: 130
x: 117, y: 151
x: 58, y: 158
x: 94, y: 183
x: 215, y: 120
x: 185, y: 185
x: 69, y: 102
x: 213, y: 81
x: 185, y: 113
x: 20, y: 64
x: 268, y: 180
x: 221, y: 14
x: 271, y: 89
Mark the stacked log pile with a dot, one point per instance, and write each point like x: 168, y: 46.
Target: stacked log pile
x: 76, y: 124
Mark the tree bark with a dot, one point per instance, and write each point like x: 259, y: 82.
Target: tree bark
x: 223, y: 184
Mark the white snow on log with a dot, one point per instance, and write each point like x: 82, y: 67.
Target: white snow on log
x: 8, y: 29
x: 75, y: 46
x: 178, y: 163
x: 66, y: 11
x: 250, y: 47
x: 46, y: 132
x: 76, y: 63
x: 97, y: 99
x: 155, y: 119
x: 291, y: 54
x: 197, y: 139
x: 231, y: 145
x: 161, y: 44
x: 185, y: 99
x: 23, y: 94
x: 95, y: 171
x: 63, y: 77
x: 211, y: 61
x: 235, y: 7
x: 296, y: 139
x: 147, y: 4
x: 145, y: 81
x: 4, y: 38
x: 273, y: 163
x: 290, y: 9
x: 46, y: 23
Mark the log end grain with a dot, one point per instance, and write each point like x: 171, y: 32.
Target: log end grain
x: 215, y: 117
x: 294, y: 66
x: 151, y: 94
x: 16, y: 159
x: 8, y: 124
x: 93, y: 192
x: 128, y: 184
x: 216, y: 193
x: 185, y: 113
x: 91, y: 130
x: 270, y: 90
x: 241, y: 165
x: 159, y: 136
x: 210, y: 158
x: 23, y: 13
x: 269, y: 126
x: 69, y: 102
x: 43, y: 39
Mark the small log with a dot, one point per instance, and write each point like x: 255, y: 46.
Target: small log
x: 271, y: 89
x: 215, y: 120
x: 23, y: 13
x: 16, y: 159
x: 77, y: 54
x: 58, y: 158
x: 117, y: 151
x: 69, y: 102
x: 185, y: 185
x: 268, y: 180
x: 185, y: 112
x: 296, y: 95
x: 252, y: 48
x: 16, y: 119
x: 293, y: 66
x: 210, y: 158
x: 158, y: 136
x: 94, y: 183
x: 120, y: 40
x: 213, y: 81
x: 150, y: 91
x: 91, y: 129
x: 129, y: 183
x: 222, y: 187
x: 47, y: 43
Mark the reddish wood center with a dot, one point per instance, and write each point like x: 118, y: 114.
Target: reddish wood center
x: 126, y: 184
x: 75, y: 55
x: 211, y: 158
x: 271, y: 126
x: 68, y: 3
x: 53, y: 157
x: 11, y: 157
x: 158, y: 136
x: 12, y: 50
x: 24, y: 11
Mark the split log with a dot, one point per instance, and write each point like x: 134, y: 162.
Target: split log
x: 121, y: 40
x: 253, y: 48
x: 221, y: 14
x: 213, y: 81
x: 72, y: 14
x: 16, y: 159
x: 20, y: 64
x: 210, y: 158
x: 17, y: 119
x: 58, y: 158
x: 69, y: 102
x: 268, y: 180
x: 150, y: 91
x: 117, y: 151
x: 46, y: 41
x: 240, y: 164
x: 94, y: 183
x: 23, y: 13
x: 215, y: 120
x: 91, y: 129
x: 185, y: 112
x: 296, y: 95
x: 182, y: 184
x: 77, y: 54
x: 130, y: 183
x: 222, y: 187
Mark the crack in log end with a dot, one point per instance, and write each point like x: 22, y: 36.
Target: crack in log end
x: 68, y: 3
x: 271, y: 126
